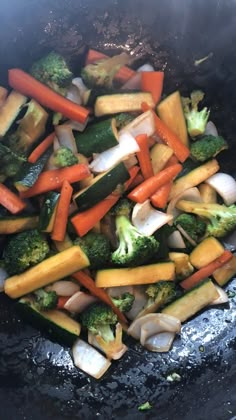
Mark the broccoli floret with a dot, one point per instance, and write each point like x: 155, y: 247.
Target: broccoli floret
x: 52, y: 70
x: 24, y: 250
x: 97, y: 247
x: 63, y: 157
x: 123, y: 207
x: 161, y: 293
x: 196, y: 120
x: 222, y: 219
x: 10, y: 162
x: 192, y: 225
x: 45, y: 300
x: 102, y: 72
x: 100, y: 320
x: 124, y: 302
x: 134, y: 248
x: 207, y: 147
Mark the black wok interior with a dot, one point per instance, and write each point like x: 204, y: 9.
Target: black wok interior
x: 37, y: 377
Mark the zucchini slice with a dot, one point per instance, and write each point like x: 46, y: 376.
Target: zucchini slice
x: 14, y: 224
x: 9, y: 111
x: 30, y: 171
x: 48, y: 211
x: 147, y: 274
x: 57, y: 323
x: 101, y: 186
x: 97, y: 137
x: 192, y: 301
x: 122, y: 102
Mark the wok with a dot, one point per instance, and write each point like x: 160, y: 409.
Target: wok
x: 37, y: 377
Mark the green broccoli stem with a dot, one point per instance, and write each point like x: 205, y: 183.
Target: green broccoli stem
x: 196, y: 122
x: 106, y: 332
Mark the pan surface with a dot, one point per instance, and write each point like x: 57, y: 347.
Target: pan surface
x: 37, y: 376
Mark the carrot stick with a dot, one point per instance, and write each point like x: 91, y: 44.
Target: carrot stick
x: 206, y: 271
x: 137, y: 180
x: 84, y: 221
x: 53, y: 179
x: 133, y: 173
x: 144, y: 156
x: 41, y: 148
x: 152, y: 81
x: 160, y: 197
x: 62, y: 301
x: 169, y: 137
x: 123, y: 74
x: 88, y: 282
x: 147, y: 188
x: 10, y: 201
x: 29, y: 86
x: 62, y: 212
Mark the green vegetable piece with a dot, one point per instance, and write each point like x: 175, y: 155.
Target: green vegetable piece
x: 161, y: 293
x: 193, y: 226
x: 196, y: 120
x: 134, y: 248
x: 45, y: 300
x: 52, y: 70
x: 124, y: 302
x: 63, y: 157
x: 145, y: 406
x: 207, y: 147
x: 97, y: 247
x: 10, y: 162
x: 24, y: 250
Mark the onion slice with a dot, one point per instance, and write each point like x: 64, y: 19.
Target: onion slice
x: 140, y: 301
x: 64, y: 287
x: 73, y: 94
x: 144, y: 123
x: 211, y: 129
x: 66, y: 138
x: 223, y: 297
x: 134, y: 82
x: 191, y: 194
x: 161, y: 342
x: 89, y: 360
x: 115, y: 351
x: 147, y: 219
x: 225, y: 186
x: 175, y: 240
x: 106, y: 160
x: 79, y: 301
x: 79, y: 84
x: 148, y: 325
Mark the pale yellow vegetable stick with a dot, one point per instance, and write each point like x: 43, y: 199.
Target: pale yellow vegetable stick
x: 206, y: 252
x: 208, y: 193
x: 160, y: 154
x: 194, y: 178
x: 54, y: 268
x: 134, y: 276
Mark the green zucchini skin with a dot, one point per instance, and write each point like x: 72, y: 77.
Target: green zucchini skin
x: 47, y: 212
x: 15, y: 224
x: 96, y: 138
x: 102, y: 186
x: 39, y: 320
x: 30, y: 171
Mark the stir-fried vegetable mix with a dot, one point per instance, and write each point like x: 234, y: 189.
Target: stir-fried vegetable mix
x: 113, y: 205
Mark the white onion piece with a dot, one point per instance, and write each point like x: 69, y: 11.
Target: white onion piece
x: 73, y: 94
x: 75, y: 125
x: 145, y: 67
x: 225, y: 186
x: 223, y: 297
x: 56, y: 144
x: 79, y: 302
x: 143, y: 124
x: 89, y: 360
x: 66, y: 138
x: 106, y: 160
x: 78, y: 82
x: 191, y: 194
x: 211, y: 129
x: 130, y: 162
x: 119, y: 290
x: 133, y: 82
x: 3, y: 277
x: 64, y: 288
x: 150, y: 324
x: 161, y: 342
x: 112, y: 354
x: 175, y: 240
x: 140, y: 301
x: 147, y: 219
